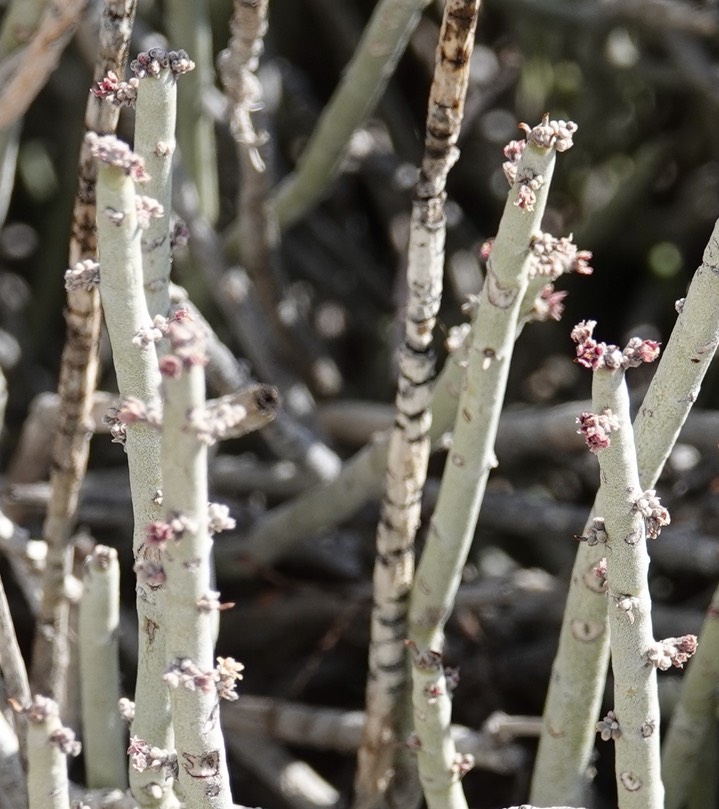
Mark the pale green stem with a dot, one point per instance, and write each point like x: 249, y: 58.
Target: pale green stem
x: 123, y: 300
x: 48, y: 785
x: 465, y: 476
x: 188, y: 27
x: 636, y: 700
x: 155, y: 116
x: 99, y: 626
x: 694, y: 718
x: 203, y: 776
x: 362, y: 85
x: 578, y: 676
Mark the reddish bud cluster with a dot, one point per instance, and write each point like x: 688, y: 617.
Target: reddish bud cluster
x: 152, y: 62
x: 552, y: 257
x: 548, y: 134
x: 608, y: 727
x: 117, y: 92
x: 145, y: 757
x: 108, y: 149
x: 596, y: 428
x: 654, y: 513
x: 672, y: 652
x: 596, y: 355
x: 84, y: 275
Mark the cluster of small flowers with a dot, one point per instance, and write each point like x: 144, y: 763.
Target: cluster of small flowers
x: 150, y: 63
x: 427, y: 660
x: 218, y: 518
x: 149, y: 335
x: 217, y: 420
x: 654, y: 513
x: 134, y: 411
x: 223, y: 679
x: 463, y: 763
x: 180, y: 235
x: 596, y: 427
x: 126, y: 709
x: 608, y: 727
x: 552, y: 257
x: 101, y: 557
x: 596, y: 534
x: 188, y: 343
x: 84, y: 275
x: 627, y: 604
x: 210, y: 602
x: 117, y: 92
x: 148, y: 209
x: 529, y: 184
x: 150, y: 574
x: 600, y: 572
x: 160, y: 532
x: 144, y: 757
x: 672, y: 652
x: 548, y: 305
x: 548, y: 134
x: 596, y: 355
x: 65, y: 741
x: 110, y: 150
x: 513, y: 151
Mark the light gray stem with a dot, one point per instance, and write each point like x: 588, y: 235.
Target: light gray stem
x: 123, y: 300
x: 99, y: 626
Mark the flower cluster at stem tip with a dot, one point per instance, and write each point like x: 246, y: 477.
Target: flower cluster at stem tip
x: 594, y: 355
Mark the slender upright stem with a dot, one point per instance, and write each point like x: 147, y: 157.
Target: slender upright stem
x: 579, y: 671
x: 384, y: 762
x: 99, y: 627
x: 123, y: 299
x: 636, y: 700
x: 189, y: 616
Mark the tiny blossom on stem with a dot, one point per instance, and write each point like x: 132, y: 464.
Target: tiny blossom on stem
x: 108, y: 149
x: 84, y: 275
x: 548, y: 134
x: 65, y: 741
x: 548, y: 305
x: 218, y: 518
x: 600, y: 571
x: 654, y: 513
x: 596, y: 428
x: 133, y: 411
x: 596, y: 534
x: 149, y: 335
x: 529, y: 184
x: 608, y: 727
x: 183, y: 673
x: 627, y: 604
x: 596, y: 355
x: 126, y: 708
x: 150, y: 63
x: 513, y: 151
x: 115, y: 91
x: 159, y: 533
x: 463, y: 763
x: 672, y: 652
x: 180, y: 235
x: 148, y: 209
x: 150, y: 573
x: 211, y: 602
x: 145, y: 757
x: 228, y: 671
x: 552, y: 257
